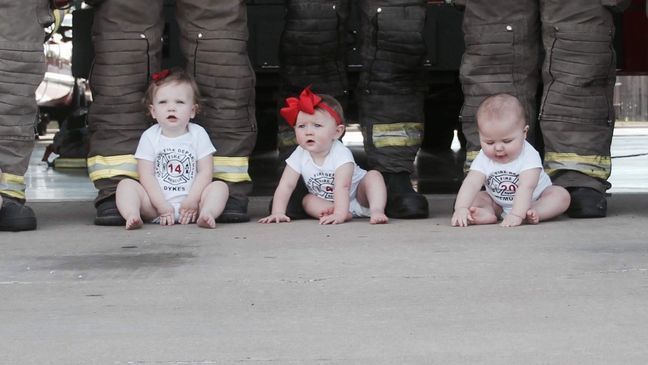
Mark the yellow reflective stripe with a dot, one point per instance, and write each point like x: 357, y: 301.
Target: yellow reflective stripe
x: 397, y: 134
x: 71, y: 163
x: 12, y: 185
x: 231, y: 169
x: 592, y: 165
x: 471, y: 156
x: 106, y: 167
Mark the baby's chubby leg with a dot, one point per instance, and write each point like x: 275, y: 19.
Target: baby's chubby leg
x: 483, y: 210
x: 212, y: 203
x: 553, y: 202
x: 317, y: 207
x: 373, y: 193
x: 133, y: 202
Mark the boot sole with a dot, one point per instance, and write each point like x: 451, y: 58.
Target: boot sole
x: 109, y: 221
x: 410, y: 209
x: 233, y: 218
x: 20, y: 224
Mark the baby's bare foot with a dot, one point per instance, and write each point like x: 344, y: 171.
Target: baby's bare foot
x: 481, y: 216
x: 378, y: 218
x: 134, y: 222
x: 206, y: 221
x: 532, y: 217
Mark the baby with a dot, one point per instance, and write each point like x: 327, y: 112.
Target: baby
x: 338, y: 188
x: 517, y: 188
x: 174, y: 161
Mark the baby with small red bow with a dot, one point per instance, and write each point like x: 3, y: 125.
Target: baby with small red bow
x: 174, y: 161
x: 338, y: 189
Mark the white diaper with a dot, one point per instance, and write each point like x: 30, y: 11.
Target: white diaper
x: 357, y: 210
x: 176, y: 213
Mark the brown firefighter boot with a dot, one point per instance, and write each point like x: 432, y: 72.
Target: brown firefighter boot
x: 107, y: 213
x: 586, y: 203
x: 16, y: 216
x: 235, y: 211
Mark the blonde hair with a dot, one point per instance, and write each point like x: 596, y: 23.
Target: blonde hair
x: 175, y: 74
x: 501, y: 104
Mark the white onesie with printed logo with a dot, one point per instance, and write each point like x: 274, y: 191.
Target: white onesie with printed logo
x: 175, y: 159
x: 502, y: 179
x: 319, y: 179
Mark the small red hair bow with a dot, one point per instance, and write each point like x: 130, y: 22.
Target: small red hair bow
x: 307, y: 102
x: 160, y: 75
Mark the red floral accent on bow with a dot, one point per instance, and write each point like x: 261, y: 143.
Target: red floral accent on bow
x: 160, y: 75
x: 307, y: 102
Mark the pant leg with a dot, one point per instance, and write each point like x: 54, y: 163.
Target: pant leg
x: 22, y: 67
x: 391, y: 86
x: 312, y: 52
x: 577, y: 114
x: 127, y: 41
x: 214, y: 43
x: 502, y: 40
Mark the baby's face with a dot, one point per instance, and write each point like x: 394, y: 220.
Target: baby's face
x: 173, y: 106
x: 502, y: 140
x: 316, y: 132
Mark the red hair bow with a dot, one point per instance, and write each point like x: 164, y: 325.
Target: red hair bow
x: 160, y: 75
x: 307, y: 102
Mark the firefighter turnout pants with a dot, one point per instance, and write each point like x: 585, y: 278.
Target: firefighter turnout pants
x: 127, y: 41
x: 22, y: 67
x: 391, y: 86
x: 505, y: 40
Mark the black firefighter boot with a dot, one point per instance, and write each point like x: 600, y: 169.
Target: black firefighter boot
x: 107, y: 213
x: 16, y: 216
x: 235, y: 211
x: 402, y: 200
x: 586, y: 203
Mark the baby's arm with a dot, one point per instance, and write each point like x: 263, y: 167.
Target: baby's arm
x: 341, y: 192
x: 286, y: 186
x: 469, y: 188
x: 522, y: 200
x: 189, y: 206
x: 146, y: 171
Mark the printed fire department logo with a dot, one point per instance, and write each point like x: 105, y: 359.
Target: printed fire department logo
x: 175, y: 167
x: 503, y: 184
x: 322, y: 185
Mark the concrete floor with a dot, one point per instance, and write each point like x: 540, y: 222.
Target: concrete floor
x: 410, y: 292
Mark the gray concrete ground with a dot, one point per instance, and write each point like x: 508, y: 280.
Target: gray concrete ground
x: 410, y: 292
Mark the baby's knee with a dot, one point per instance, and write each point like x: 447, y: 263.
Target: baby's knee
x: 220, y: 185
x: 374, y: 175
x: 127, y: 184
x: 561, y: 196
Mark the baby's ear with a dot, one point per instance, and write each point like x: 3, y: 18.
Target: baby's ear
x: 339, y: 130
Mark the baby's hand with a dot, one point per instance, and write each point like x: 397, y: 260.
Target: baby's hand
x: 511, y: 220
x: 335, y: 218
x: 275, y: 218
x: 461, y: 217
x: 167, y: 215
x: 188, y: 211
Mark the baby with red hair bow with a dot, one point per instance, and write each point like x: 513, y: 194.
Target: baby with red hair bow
x: 338, y: 189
